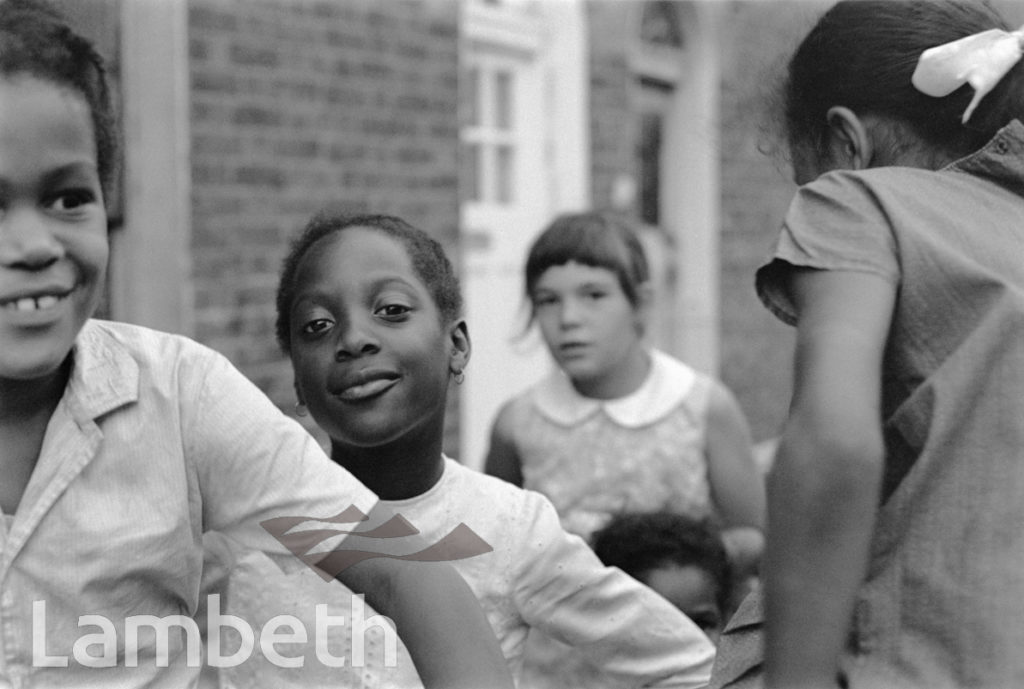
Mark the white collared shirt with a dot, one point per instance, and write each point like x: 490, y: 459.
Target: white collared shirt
x: 156, y: 440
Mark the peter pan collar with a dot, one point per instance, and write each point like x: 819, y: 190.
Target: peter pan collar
x: 668, y: 382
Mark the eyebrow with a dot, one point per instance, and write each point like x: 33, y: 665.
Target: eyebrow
x: 372, y: 288
x: 381, y: 283
x: 79, y: 167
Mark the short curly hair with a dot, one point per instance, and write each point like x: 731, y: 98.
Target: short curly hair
x: 427, y: 255
x: 35, y: 40
x: 639, y: 542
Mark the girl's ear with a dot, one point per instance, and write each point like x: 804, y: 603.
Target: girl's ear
x: 458, y: 334
x: 644, y: 304
x: 849, y: 141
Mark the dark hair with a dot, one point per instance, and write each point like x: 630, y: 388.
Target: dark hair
x: 35, y: 40
x: 639, y: 542
x: 427, y: 255
x: 862, y: 53
x: 595, y: 239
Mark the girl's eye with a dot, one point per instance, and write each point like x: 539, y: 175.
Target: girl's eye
x: 595, y: 295
x: 544, y: 301
x: 317, y: 325
x: 71, y: 199
x: 393, y: 310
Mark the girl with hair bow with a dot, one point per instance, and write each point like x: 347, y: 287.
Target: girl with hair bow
x: 894, y: 551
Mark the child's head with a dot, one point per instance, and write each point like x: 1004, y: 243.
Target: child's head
x: 36, y: 41
x: 368, y: 310
x: 598, y: 240
x: 682, y: 559
x: 587, y: 282
x: 861, y: 55
x: 56, y: 145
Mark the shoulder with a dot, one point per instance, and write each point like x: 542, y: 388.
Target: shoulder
x: 145, y: 345
x: 721, y: 402
x: 513, y: 411
x: 894, y: 195
x: 505, y: 419
x: 475, y: 485
x: 156, y: 360
x: 161, y: 365
x: 507, y: 505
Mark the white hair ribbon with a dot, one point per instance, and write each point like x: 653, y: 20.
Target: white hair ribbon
x: 980, y: 60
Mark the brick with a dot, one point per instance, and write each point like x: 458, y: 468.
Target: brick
x: 253, y: 56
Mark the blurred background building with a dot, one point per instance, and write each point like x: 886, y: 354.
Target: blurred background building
x: 476, y: 120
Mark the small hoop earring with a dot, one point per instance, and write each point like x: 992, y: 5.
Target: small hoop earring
x: 459, y: 376
x: 300, y: 409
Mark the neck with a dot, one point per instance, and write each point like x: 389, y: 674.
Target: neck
x: 22, y: 401
x: 621, y: 380
x: 400, y: 470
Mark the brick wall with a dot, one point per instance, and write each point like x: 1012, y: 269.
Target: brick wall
x: 757, y: 349
x: 297, y: 105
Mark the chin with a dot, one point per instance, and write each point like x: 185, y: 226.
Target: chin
x: 34, y: 365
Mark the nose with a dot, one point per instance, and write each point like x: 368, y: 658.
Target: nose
x: 26, y: 240
x: 570, y: 313
x: 357, y: 339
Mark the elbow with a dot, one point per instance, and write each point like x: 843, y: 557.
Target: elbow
x: 836, y: 466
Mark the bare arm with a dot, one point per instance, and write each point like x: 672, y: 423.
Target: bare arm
x: 438, y: 618
x: 823, y: 488
x: 502, y: 457
x: 737, y: 485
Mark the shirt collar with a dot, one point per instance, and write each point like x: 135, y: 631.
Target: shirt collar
x: 667, y: 383
x: 1000, y: 160
x: 104, y: 374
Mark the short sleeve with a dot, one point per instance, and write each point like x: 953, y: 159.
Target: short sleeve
x: 253, y: 463
x: 833, y: 223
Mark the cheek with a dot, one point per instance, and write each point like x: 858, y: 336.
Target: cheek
x: 547, y: 320
x: 305, y: 371
x: 93, y: 251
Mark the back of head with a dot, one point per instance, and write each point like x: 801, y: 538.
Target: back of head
x: 862, y: 53
x: 639, y: 542
x: 36, y: 41
x: 595, y: 239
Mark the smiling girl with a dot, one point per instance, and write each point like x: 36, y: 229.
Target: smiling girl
x: 369, y: 312
x: 120, y: 446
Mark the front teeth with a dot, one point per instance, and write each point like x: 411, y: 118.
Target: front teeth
x: 34, y: 304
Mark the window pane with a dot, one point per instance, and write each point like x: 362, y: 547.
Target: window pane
x: 659, y: 24
x: 503, y: 99
x: 469, y: 97
x: 505, y: 174
x: 469, y: 172
x: 648, y: 159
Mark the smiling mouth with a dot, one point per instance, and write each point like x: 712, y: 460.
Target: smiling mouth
x: 364, y: 391
x: 29, y: 304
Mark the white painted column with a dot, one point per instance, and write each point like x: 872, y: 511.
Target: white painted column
x: 151, y: 272
x: 691, y: 185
